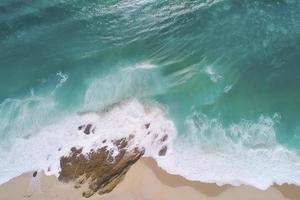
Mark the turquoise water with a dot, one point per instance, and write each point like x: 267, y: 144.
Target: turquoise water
x: 225, y: 70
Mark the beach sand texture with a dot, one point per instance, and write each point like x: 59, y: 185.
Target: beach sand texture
x: 144, y: 181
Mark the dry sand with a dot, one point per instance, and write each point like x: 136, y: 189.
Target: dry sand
x: 144, y: 181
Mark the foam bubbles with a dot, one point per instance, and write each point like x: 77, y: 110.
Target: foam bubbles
x: 241, y: 153
x: 145, y: 65
x: 43, y: 150
x: 126, y: 83
x: 213, y: 75
x: 22, y: 117
x: 62, y: 78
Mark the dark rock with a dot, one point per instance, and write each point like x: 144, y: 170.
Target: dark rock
x: 163, y: 151
x: 34, y: 174
x: 103, y: 141
x: 98, y: 170
x: 81, y: 127
x: 121, y: 143
x: 87, y: 129
x: 147, y: 125
x: 164, y: 138
x: 74, y: 150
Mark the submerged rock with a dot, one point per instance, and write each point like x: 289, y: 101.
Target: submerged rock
x: 34, y: 174
x: 163, y: 151
x: 98, y: 171
x: 147, y: 125
x: 164, y: 138
x: 80, y: 127
x: 87, y: 129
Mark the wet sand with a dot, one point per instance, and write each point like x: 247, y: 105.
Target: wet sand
x: 144, y: 181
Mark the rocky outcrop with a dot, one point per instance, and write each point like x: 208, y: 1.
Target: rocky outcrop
x: 99, y: 170
x: 88, y: 129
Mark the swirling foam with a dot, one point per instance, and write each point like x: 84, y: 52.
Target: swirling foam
x: 243, y: 153
x: 43, y: 150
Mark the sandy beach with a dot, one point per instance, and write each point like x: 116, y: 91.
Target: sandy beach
x: 144, y: 181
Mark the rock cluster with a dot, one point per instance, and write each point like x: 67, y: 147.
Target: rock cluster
x: 88, y: 129
x: 101, y: 169
x: 98, y: 170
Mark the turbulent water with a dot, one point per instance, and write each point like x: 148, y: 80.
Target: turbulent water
x: 222, y: 77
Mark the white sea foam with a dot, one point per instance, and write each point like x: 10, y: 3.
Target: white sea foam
x: 43, y: 150
x: 22, y: 117
x: 145, y: 65
x: 213, y: 75
x: 126, y: 83
x: 242, y: 153
x: 61, y: 79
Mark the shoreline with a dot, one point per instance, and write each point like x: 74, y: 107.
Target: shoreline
x: 144, y: 180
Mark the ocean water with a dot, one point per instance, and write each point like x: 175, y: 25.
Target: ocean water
x: 220, y: 77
